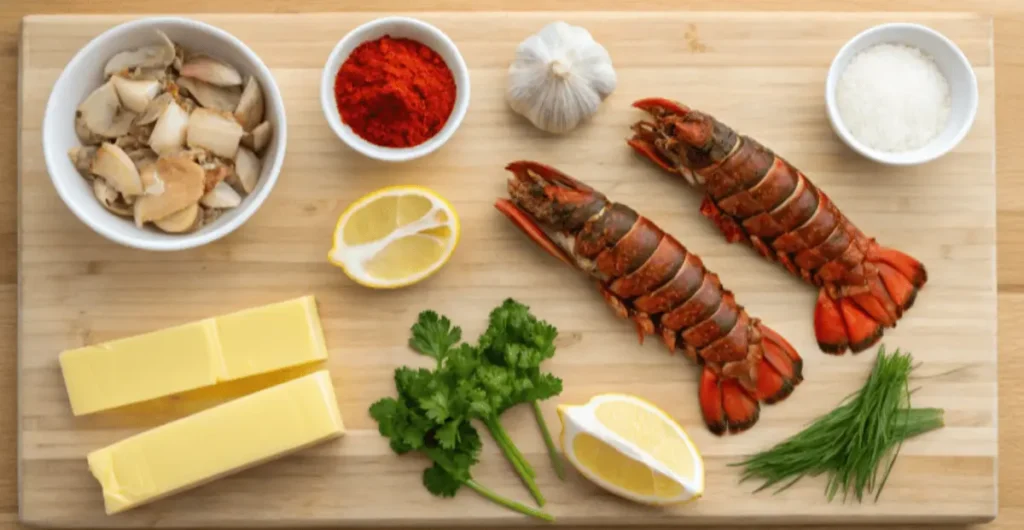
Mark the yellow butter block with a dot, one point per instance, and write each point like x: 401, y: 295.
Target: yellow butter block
x: 216, y: 442
x: 193, y: 355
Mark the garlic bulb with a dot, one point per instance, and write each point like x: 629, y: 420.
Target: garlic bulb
x: 559, y: 77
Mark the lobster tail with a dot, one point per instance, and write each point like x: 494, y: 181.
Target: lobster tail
x: 857, y: 321
x: 727, y: 405
x: 646, y: 276
x: 756, y: 196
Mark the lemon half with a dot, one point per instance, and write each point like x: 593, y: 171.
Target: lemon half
x: 633, y: 449
x: 395, y: 236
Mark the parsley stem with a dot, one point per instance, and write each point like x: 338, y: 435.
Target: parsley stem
x: 505, y: 438
x: 556, y: 459
x: 510, y: 451
x: 508, y: 503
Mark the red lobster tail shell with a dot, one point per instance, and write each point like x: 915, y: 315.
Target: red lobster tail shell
x: 648, y: 277
x: 753, y: 195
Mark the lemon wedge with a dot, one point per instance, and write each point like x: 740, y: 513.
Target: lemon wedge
x: 633, y: 449
x: 395, y: 236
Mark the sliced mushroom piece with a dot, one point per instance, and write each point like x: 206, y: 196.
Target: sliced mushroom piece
x: 129, y: 142
x: 102, y: 114
x: 247, y: 169
x: 143, y: 158
x: 146, y: 74
x: 200, y: 156
x: 155, y: 109
x: 179, y: 58
x: 181, y: 221
x: 142, y: 154
x: 159, y: 55
x: 152, y: 184
x: 216, y: 132
x: 210, y: 70
x: 135, y: 95
x: 183, y: 186
x: 140, y: 133
x: 258, y: 138
x: 212, y: 96
x: 211, y: 214
x: 109, y: 198
x: 170, y: 130
x: 86, y: 136
x: 246, y: 140
x: 118, y: 169
x: 249, y: 111
x: 82, y: 158
x: 221, y: 196
x: 136, y: 138
x: 188, y: 104
x: 215, y: 175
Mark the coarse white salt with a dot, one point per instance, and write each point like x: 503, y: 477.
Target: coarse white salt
x: 892, y: 97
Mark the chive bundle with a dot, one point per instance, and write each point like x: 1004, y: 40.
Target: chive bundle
x: 855, y: 441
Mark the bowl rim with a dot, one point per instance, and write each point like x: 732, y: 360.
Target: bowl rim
x: 183, y: 241
x: 393, y: 154
x: 899, y: 159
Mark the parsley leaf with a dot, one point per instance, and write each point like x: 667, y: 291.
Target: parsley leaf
x: 434, y: 335
x: 436, y: 405
x: 448, y: 435
x: 414, y: 384
x: 440, y: 482
x: 517, y: 338
x: 542, y: 386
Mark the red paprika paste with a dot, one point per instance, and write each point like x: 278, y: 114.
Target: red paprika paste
x: 394, y: 92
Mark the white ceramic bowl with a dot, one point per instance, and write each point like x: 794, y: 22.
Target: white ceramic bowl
x: 963, y: 86
x: 85, y: 72
x: 397, y: 27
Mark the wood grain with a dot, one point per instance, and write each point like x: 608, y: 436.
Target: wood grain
x: 78, y: 288
x: 1009, y: 56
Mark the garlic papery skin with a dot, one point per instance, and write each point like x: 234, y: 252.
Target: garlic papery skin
x: 559, y: 77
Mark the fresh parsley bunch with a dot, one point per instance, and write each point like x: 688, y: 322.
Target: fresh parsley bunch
x: 452, y: 444
x: 433, y: 410
x: 518, y: 342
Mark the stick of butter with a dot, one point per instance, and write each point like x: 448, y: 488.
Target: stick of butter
x: 193, y: 355
x: 225, y: 439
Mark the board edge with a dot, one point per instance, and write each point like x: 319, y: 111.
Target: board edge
x: 45, y: 522
x: 26, y: 21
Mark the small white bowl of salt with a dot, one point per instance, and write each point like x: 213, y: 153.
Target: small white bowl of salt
x: 901, y: 94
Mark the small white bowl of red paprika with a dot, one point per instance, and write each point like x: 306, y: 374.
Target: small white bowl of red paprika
x: 395, y: 89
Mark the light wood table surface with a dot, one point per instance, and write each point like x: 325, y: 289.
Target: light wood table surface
x: 1009, y: 58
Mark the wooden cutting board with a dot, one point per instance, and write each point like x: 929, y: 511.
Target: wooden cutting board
x: 762, y: 73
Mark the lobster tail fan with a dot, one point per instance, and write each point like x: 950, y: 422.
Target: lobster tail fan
x: 728, y: 406
x: 910, y: 268
x: 856, y: 321
x: 841, y: 324
x: 829, y: 327
x: 725, y: 405
x: 780, y: 368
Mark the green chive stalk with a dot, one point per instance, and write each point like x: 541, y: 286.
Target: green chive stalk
x: 854, y: 442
